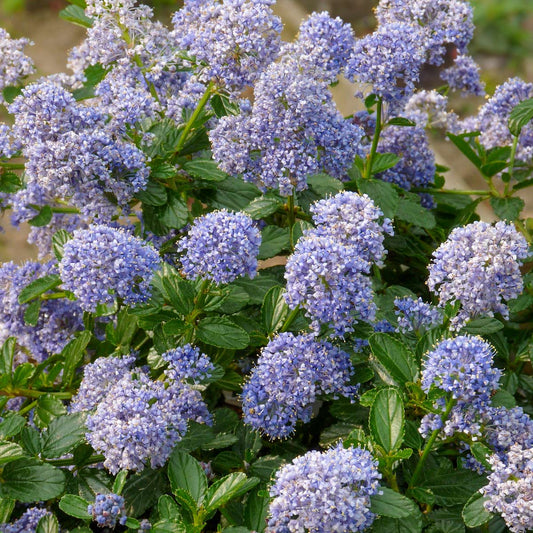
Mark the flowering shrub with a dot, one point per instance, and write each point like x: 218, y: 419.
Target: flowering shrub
x: 251, y: 313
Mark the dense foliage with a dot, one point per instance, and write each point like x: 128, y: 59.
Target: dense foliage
x: 251, y: 313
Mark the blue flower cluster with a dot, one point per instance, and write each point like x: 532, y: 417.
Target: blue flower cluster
x: 429, y: 109
x: 237, y: 39
x: 463, y: 75
x: 416, y: 315
x: 478, y: 266
x: 186, y: 362
x: 291, y: 372
x: 27, y: 523
x: 58, y: 319
x: 292, y: 131
x: 328, y: 491
x: 327, y: 273
x: 108, y: 510
x: 102, y: 263
x: 221, y: 246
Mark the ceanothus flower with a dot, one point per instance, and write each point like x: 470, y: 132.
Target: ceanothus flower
x: 27, y: 523
x: 14, y: 63
x: 108, y: 510
x: 221, y: 246
x: 98, y: 378
x: 7, y: 143
x: 237, y: 39
x: 324, y: 491
x: 102, y: 263
x: 463, y: 367
x: 416, y: 315
x: 139, y: 421
x: 429, y: 109
x: 186, y: 362
x: 291, y: 372
x: 463, y: 76
x: 478, y: 266
x: 292, y: 131
x: 354, y: 220
x: 510, y: 488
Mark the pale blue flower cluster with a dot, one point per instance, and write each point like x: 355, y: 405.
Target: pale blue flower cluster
x: 292, y: 131
x: 328, y: 272
x: 7, y: 148
x: 58, y: 319
x: 416, y: 315
x: 186, y: 362
x: 237, y: 39
x: 98, y: 378
x: 478, y: 266
x: 220, y: 246
x: 27, y: 523
x: 463, y: 76
x: 102, y: 263
x: 14, y: 63
x: 291, y: 373
x: 139, y: 421
x: 108, y: 510
x: 429, y: 109
x: 324, y: 491
x: 510, y: 487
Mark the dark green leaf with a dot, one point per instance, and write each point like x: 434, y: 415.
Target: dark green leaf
x: 234, y: 194
x: 392, y: 504
x: 6, y: 355
x: 383, y: 162
x: 38, y: 287
x: 273, y: 241
x: 58, y: 241
x: 76, y: 15
x: 274, y: 310
x: 481, y: 453
x: 10, y: 93
x: 386, y: 419
x: 142, y: 490
x: 63, y: 434
x: 6, y: 508
x: 30, y: 438
x: 256, y: 510
x: 400, y: 121
x: 483, y: 326
x: 227, y: 488
x: 492, y: 168
x: 29, y: 480
x: 9, y: 182
x: 168, y: 508
x: 48, y: 524
x: 452, y: 487
x: 507, y: 208
x: 265, y: 467
x: 257, y: 287
x: 236, y: 300
x: 48, y: 407
x: 175, y: 214
x: 154, y: 194
x: 466, y: 149
x: 204, y: 169
x: 520, y: 116
x: 10, y: 451
x: 88, y: 482
x: 324, y: 184
x: 222, y: 332
x: 223, y: 106
x: 185, y: 472
x: 94, y: 74
x: 383, y: 193
x: 474, y: 514
x: 42, y: 218
x: 263, y: 206
x: 395, y: 357
x: 11, y: 425
x: 412, y: 212
x: 73, y: 355
x: 74, y: 506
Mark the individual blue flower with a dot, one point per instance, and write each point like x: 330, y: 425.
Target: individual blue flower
x: 108, y: 510
x: 509, y: 490
x: 139, y: 421
x: 291, y: 372
x: 463, y: 367
x: 102, y: 263
x: 354, y: 220
x: 98, y: 378
x: 186, y: 362
x: 328, y: 279
x: 237, y: 39
x: 27, y: 523
x: 479, y: 267
x: 416, y: 315
x: 463, y: 76
x: 221, y: 246
x: 292, y: 131
x: 324, y: 491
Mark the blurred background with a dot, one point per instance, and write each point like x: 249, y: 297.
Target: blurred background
x: 502, y: 45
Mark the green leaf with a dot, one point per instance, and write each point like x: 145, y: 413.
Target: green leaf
x: 273, y: 241
x: 223, y: 333
x: 257, y: 287
x: 10, y: 93
x: 383, y: 193
x: 274, y: 310
x: 409, y: 524
x: 29, y: 480
x: 185, y: 472
x: 72, y: 354
x: 234, y: 194
x: 227, y: 488
x: 263, y: 206
x: 492, y: 168
x: 38, y: 287
x: 507, y: 208
x: 181, y: 294
x: 386, y: 419
x: 324, y: 184
x: 48, y: 408
x: 395, y: 357
x: 175, y: 214
x: 256, y: 510
x: 452, y: 487
x: 392, y: 504
x: 76, y: 15
x: 31, y: 315
x: 154, y: 194
x: 94, y: 74
x: 6, y: 508
x: 75, y: 506
x: 11, y: 425
x: 63, y: 434
x: 465, y: 148
x: 483, y: 326
x: 383, y: 162
x: 120, y: 481
x: 412, y: 212
x: 481, y: 453
x: 142, y: 490
x: 10, y: 451
x: 474, y: 514
x: 30, y: 438
x: 520, y: 116
x: 265, y: 466
x: 59, y: 239
x: 48, y: 524
x: 42, y: 218
x: 88, y: 482
x: 168, y: 508
x: 204, y: 169
x: 400, y: 121
x: 223, y: 106
x: 6, y: 355
x: 9, y: 182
